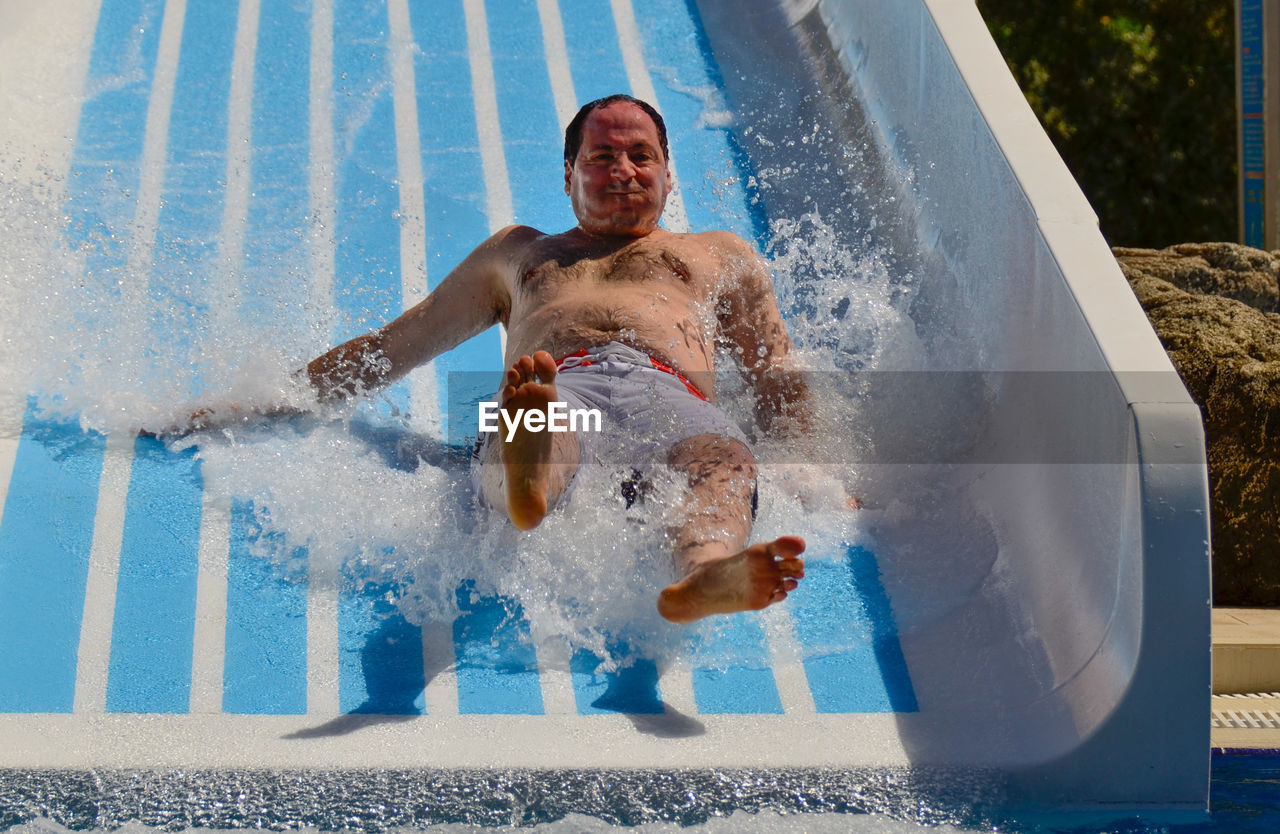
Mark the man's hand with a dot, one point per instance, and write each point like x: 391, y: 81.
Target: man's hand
x: 220, y: 417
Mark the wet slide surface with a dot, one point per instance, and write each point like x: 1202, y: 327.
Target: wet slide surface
x: 267, y: 165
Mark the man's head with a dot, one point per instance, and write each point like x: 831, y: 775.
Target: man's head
x: 573, y: 133
x: 616, y: 167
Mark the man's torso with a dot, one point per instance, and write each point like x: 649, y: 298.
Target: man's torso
x: 657, y: 294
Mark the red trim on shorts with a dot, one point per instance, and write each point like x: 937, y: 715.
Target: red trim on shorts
x: 693, y: 389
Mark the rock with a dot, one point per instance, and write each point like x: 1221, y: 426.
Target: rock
x: 1225, y: 269
x: 1228, y: 354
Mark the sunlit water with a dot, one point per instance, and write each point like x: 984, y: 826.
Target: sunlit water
x: 375, y: 490
x: 1245, y: 799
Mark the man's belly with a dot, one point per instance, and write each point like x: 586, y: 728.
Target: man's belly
x: 663, y: 346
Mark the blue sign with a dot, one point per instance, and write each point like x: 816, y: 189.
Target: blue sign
x: 1253, y: 162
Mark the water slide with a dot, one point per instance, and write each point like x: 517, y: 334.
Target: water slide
x: 308, y: 616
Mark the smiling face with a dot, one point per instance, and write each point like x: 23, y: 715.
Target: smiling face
x: 619, y: 182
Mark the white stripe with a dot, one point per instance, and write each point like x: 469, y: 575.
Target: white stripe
x: 557, y: 61
x: 788, y: 671
x: 322, y: 574
x: 94, y: 655
x: 556, y: 679
x: 322, y: 635
x: 629, y: 42
x: 489, y: 743
x: 484, y: 93
x: 10, y: 423
x: 424, y: 399
x: 155, y: 146
x: 439, y: 661
x: 324, y: 210
x: 235, y: 208
x: 413, y: 230
x: 676, y: 686
x: 210, y: 639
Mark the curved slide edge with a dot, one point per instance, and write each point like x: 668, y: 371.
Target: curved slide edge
x: 1151, y: 748
x: 1120, y: 608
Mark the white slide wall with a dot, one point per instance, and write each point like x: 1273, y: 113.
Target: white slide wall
x: 1107, y: 559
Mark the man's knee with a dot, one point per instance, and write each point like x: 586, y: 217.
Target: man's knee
x: 708, y: 455
x: 722, y: 464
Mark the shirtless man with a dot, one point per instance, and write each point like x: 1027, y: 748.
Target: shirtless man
x: 620, y: 293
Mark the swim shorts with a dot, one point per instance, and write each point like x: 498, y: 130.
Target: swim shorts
x: 646, y: 408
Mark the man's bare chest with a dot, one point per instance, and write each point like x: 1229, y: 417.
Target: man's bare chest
x: 634, y: 266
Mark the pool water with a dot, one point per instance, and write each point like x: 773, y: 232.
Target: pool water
x: 1244, y: 799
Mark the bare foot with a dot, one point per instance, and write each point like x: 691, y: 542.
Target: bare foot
x: 528, y: 385
x: 748, y: 581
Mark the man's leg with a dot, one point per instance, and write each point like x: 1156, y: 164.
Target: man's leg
x: 528, y: 474
x: 720, y: 573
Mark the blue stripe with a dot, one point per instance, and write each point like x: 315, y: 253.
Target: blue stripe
x: 367, y: 283
x: 595, y: 61
x: 630, y: 689
x: 685, y: 79
x: 265, y: 667
x: 380, y: 653
x: 45, y: 539
x: 276, y: 260
x: 52, y: 496
x: 105, y: 170
x: 454, y: 191
x: 845, y: 626
x: 731, y: 669
x: 152, y: 637
x: 155, y: 605
x: 496, y: 665
x: 530, y: 128
x: 380, y: 668
x: 742, y: 198
x: 188, y: 235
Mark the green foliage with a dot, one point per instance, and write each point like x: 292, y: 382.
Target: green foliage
x: 1139, y: 98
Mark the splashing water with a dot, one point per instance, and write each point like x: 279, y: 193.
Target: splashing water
x: 379, y: 496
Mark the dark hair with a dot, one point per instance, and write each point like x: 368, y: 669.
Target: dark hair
x: 573, y: 133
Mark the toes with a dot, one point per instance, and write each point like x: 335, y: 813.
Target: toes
x: 791, y: 569
x: 540, y: 367
x: 787, y: 546
x: 544, y: 366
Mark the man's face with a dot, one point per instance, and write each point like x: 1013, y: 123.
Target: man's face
x: 620, y: 181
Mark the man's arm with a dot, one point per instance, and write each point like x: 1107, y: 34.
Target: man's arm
x: 751, y: 321
x: 473, y: 297
x: 753, y: 325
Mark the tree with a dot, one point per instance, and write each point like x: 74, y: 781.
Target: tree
x: 1139, y: 98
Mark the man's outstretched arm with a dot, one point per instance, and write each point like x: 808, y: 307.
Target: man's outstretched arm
x: 473, y: 297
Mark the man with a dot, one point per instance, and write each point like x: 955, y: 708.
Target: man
x: 621, y: 306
